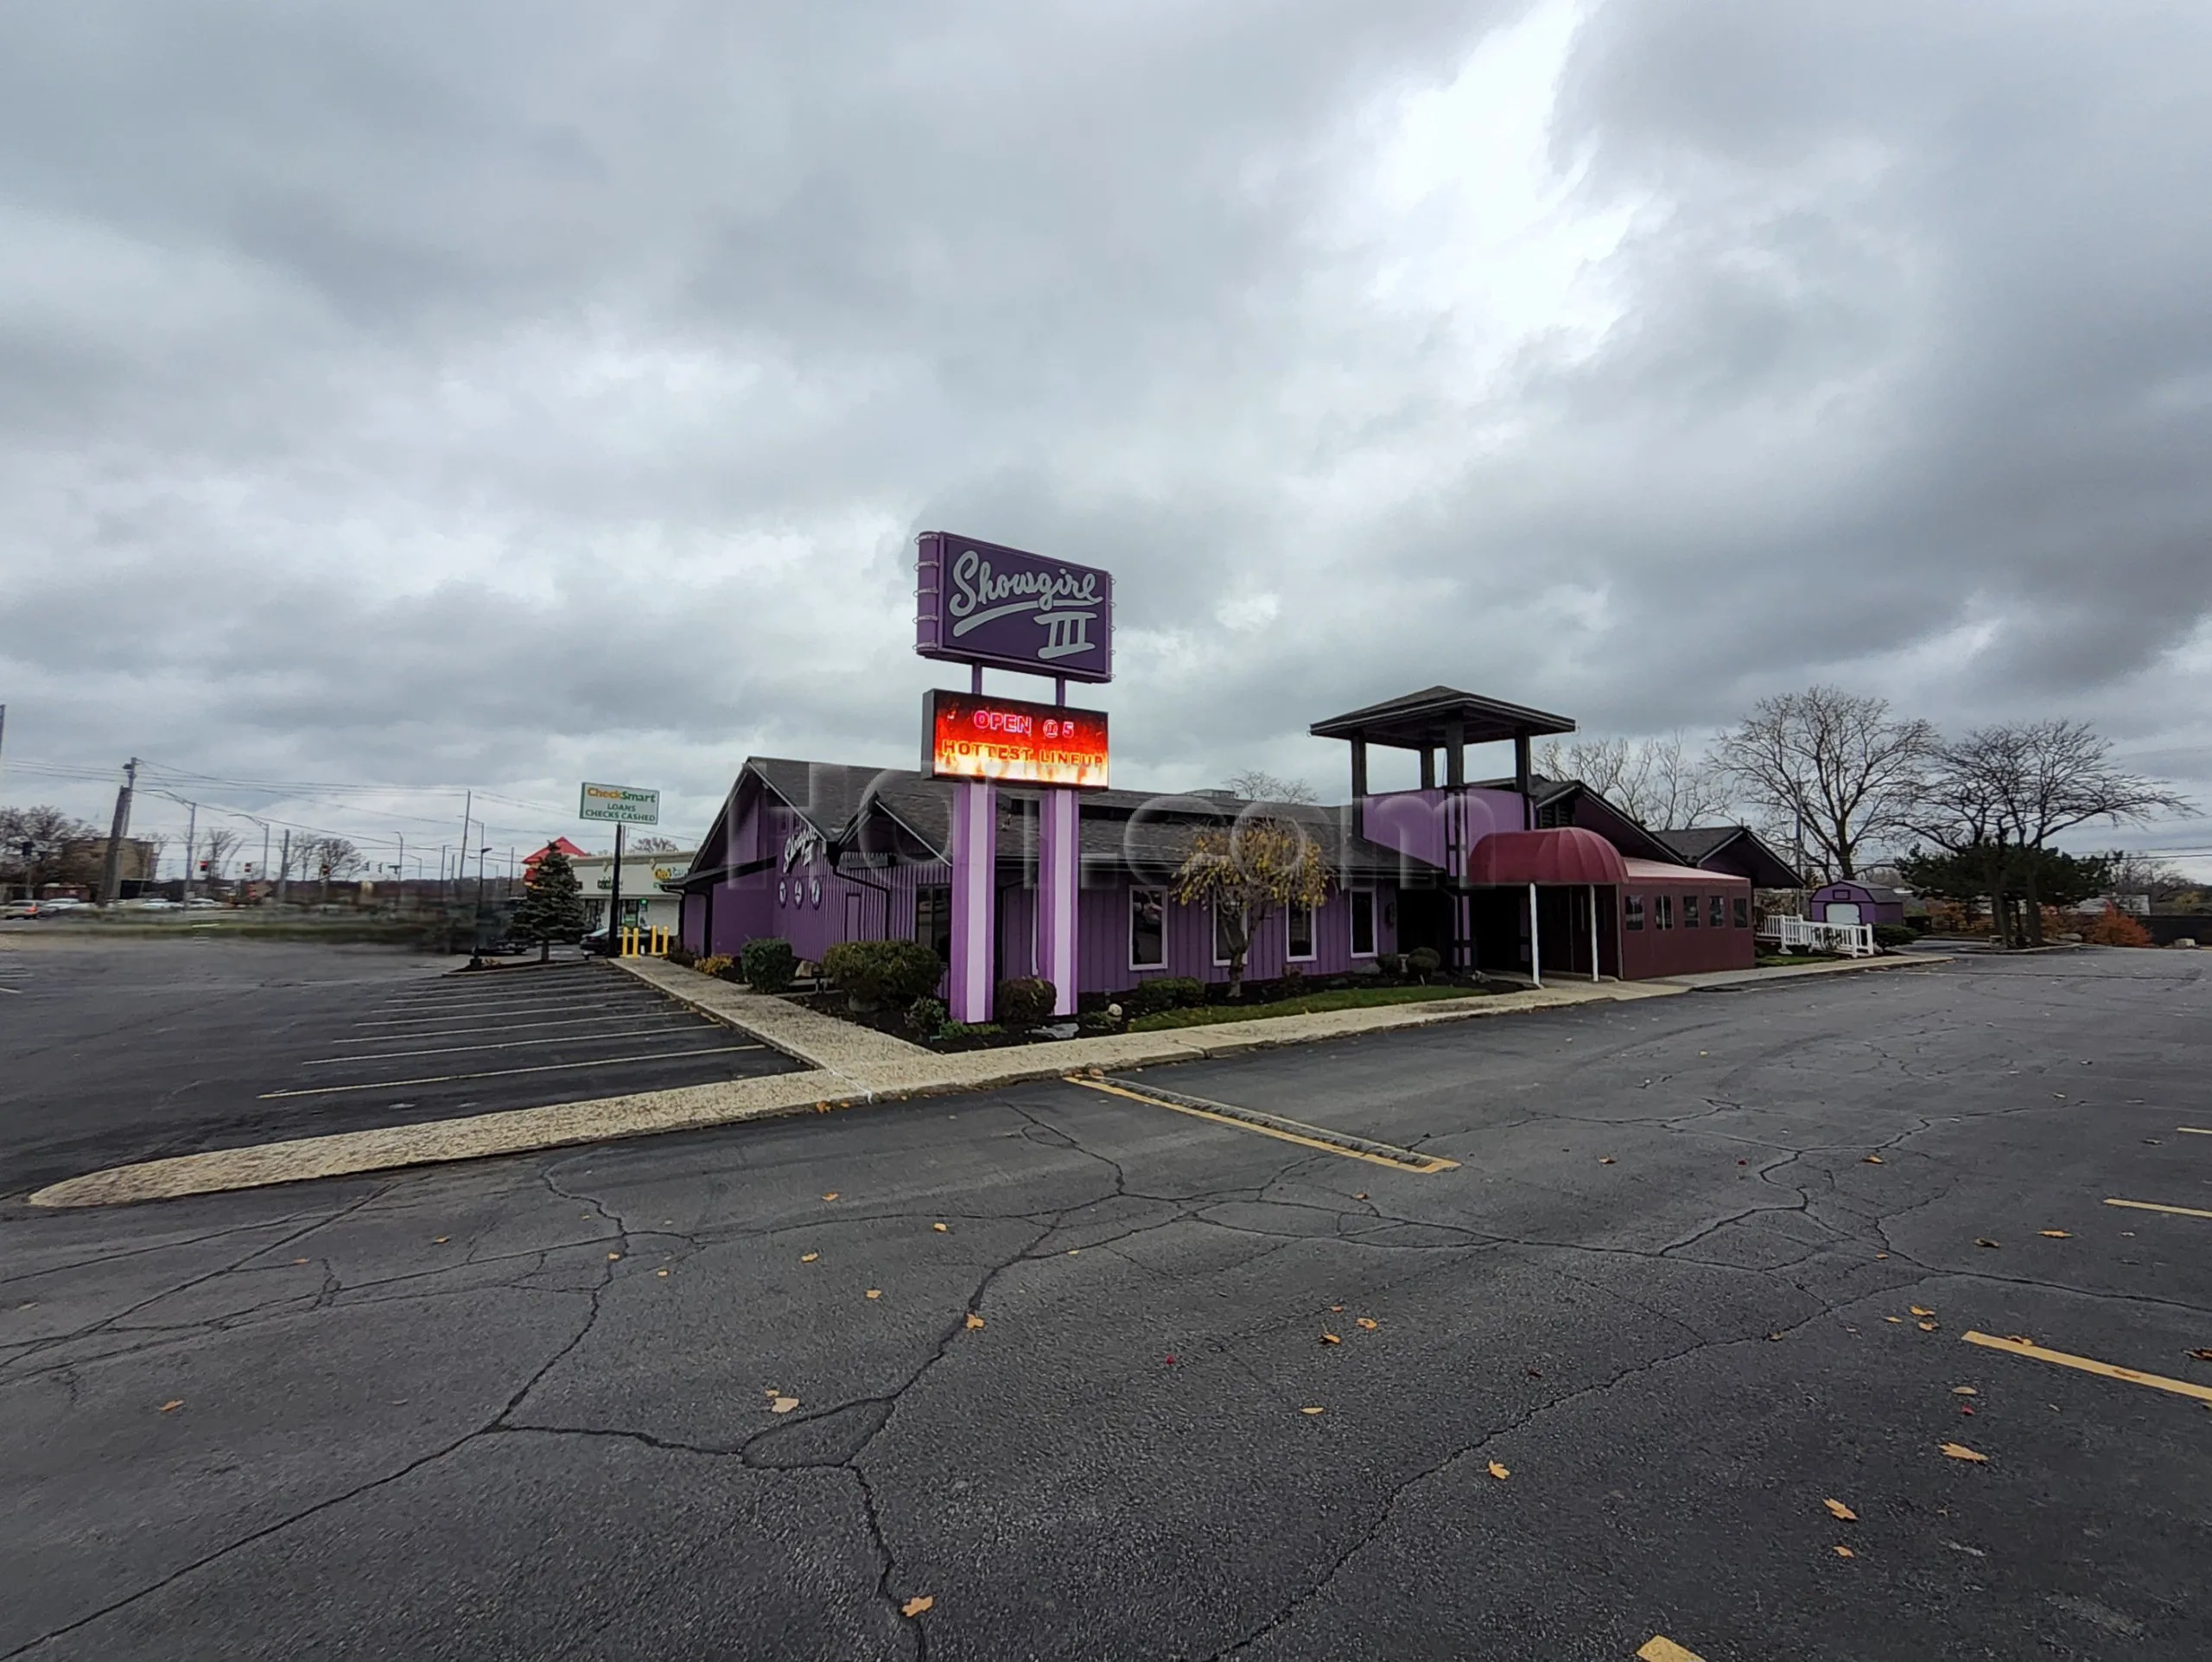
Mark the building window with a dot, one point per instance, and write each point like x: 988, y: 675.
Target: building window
x: 1298, y: 932
x: 1632, y: 911
x: 933, y: 918
x: 1147, y: 929
x: 1713, y: 913
x: 1663, y: 911
x: 1221, y: 953
x: 1363, y: 923
x: 1743, y: 913
x: 1689, y: 911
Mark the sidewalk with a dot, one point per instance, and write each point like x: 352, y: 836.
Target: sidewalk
x: 1711, y: 979
x: 846, y: 1065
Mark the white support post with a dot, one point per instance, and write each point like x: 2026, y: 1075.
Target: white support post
x: 1535, y: 945
x: 1593, y: 932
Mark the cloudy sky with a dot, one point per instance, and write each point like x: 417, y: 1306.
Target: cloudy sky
x: 431, y: 396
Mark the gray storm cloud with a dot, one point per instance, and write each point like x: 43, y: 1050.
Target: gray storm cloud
x: 487, y: 394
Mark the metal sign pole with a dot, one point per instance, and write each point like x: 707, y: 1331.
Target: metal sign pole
x: 614, y: 904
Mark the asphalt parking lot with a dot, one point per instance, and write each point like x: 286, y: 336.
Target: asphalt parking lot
x: 116, y: 1051
x: 1678, y: 1356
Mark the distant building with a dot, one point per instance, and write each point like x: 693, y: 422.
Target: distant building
x: 1735, y: 848
x: 1846, y: 902
x: 649, y: 880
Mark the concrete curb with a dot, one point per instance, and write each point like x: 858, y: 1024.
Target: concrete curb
x: 1768, y: 975
x: 873, y: 1069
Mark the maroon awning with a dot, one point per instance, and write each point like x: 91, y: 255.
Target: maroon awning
x: 1568, y: 855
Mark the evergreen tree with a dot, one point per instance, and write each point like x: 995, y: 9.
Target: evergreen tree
x: 552, y: 906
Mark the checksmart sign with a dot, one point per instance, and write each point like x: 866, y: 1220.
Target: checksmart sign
x: 619, y: 803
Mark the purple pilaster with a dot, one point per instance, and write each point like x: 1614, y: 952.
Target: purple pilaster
x: 974, y: 895
x: 1059, y: 874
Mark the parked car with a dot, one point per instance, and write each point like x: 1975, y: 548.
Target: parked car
x: 199, y: 900
x: 597, y: 944
x: 54, y: 908
x: 154, y: 904
x: 19, y: 909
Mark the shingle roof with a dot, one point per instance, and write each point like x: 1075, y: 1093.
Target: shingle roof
x: 1418, y: 720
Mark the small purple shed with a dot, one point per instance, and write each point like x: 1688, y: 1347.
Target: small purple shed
x: 1850, y: 902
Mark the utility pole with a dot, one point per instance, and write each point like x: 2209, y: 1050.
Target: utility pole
x: 265, y: 857
x: 191, y: 834
x: 283, y: 865
x: 111, y: 869
x: 400, y: 866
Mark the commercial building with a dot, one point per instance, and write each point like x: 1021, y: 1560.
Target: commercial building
x: 1516, y: 875
x: 649, y: 877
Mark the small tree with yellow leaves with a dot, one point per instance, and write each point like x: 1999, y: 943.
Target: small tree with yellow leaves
x: 1247, y: 873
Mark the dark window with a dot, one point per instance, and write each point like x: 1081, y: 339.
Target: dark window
x: 1363, y: 923
x: 1743, y: 913
x: 1689, y: 911
x: 1713, y: 915
x: 1663, y: 911
x: 1298, y: 932
x: 1632, y: 911
x: 1221, y: 921
x: 1147, y: 929
x: 934, y: 919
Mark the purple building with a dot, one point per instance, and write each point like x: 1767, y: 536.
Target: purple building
x: 1850, y: 901
x: 817, y: 852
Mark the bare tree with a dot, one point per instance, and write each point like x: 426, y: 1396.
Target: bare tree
x: 650, y: 845
x: 217, y: 844
x: 2018, y: 785
x: 1660, y: 782
x: 2146, y: 874
x: 40, y: 845
x: 1256, y: 784
x: 1834, y: 768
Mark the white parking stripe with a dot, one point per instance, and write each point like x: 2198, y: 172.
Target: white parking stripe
x: 673, y: 1017
x: 490, y: 1015
x: 502, y: 1044
x: 500, y: 1073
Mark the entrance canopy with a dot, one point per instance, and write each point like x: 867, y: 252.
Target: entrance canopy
x: 1567, y: 855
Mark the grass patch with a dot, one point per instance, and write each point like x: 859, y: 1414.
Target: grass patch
x: 1343, y: 998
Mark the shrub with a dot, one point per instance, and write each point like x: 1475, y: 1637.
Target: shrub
x: 955, y: 1030
x: 769, y: 964
x: 1150, y: 998
x: 1293, y: 981
x: 1392, y: 963
x: 682, y: 957
x: 1025, y: 1001
x: 927, y: 1017
x: 1893, y: 934
x: 713, y: 964
x: 2117, y: 929
x: 1424, y: 961
x: 894, y: 972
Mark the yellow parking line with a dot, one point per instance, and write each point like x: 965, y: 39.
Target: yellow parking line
x: 2155, y: 1206
x: 1660, y: 1648
x: 2194, y: 1130
x: 1419, y: 1164
x: 2090, y: 1364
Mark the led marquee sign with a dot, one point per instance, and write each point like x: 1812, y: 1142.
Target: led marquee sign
x: 970, y: 735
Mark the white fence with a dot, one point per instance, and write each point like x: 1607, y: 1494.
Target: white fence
x: 1851, y: 939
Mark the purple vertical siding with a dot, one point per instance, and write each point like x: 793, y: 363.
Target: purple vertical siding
x: 1417, y: 822
x: 1103, y: 945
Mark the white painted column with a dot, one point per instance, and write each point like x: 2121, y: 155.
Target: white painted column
x: 974, y: 898
x: 1535, y: 942
x: 1059, y: 877
x: 1593, y: 932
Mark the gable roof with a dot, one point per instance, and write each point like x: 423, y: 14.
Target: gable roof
x: 1417, y: 720
x: 1696, y: 844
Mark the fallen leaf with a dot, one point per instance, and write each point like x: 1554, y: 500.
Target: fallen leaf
x: 1881, y: 1255
x: 299, y: 1260
x: 1964, y: 1391
x: 2017, y: 1338
x: 1836, y: 1508
x: 437, y: 1241
x: 1928, y: 1327
x: 1898, y: 1319
x: 808, y: 1257
x: 831, y: 1195
x: 1775, y: 1335
x: 1335, y: 1307
x: 938, y: 1227
x: 1922, y: 1309
x: 1072, y: 1251
x: 611, y: 1257
x: 171, y: 1407
x: 1331, y: 1339
x: 876, y: 1292
x: 783, y: 1405
x: 1362, y: 1196
x: 914, y: 1607
x: 1983, y: 1240
x: 974, y: 1320
x: 663, y: 1274
x: 1606, y: 1160
x: 1960, y: 1451
x: 1874, y: 1160
x: 1370, y: 1323
x: 1844, y: 1552
x: 2203, y: 1354
x: 1168, y: 1361
x: 1499, y: 1472
x: 1309, y: 1411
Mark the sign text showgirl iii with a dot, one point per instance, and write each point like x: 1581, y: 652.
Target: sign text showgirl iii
x: 982, y: 603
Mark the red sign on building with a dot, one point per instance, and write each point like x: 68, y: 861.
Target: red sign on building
x: 978, y: 737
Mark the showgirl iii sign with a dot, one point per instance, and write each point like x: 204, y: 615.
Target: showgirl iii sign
x: 979, y: 603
